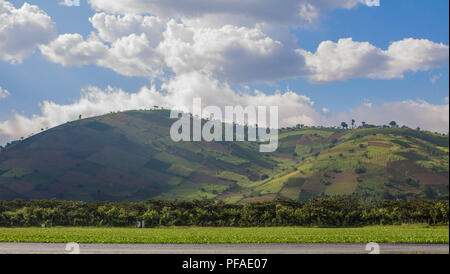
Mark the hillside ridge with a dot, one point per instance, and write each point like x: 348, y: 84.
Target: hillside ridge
x: 129, y: 156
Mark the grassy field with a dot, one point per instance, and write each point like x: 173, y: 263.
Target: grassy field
x: 380, y: 234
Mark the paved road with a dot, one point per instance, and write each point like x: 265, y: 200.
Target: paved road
x: 40, y: 248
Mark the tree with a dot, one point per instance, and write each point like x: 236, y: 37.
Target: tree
x: 393, y: 124
x: 353, y: 123
x: 79, y: 117
x: 363, y: 124
x: 344, y: 125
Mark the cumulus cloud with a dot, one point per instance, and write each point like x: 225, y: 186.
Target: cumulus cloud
x: 179, y: 92
x: 113, y: 27
x: 22, y: 30
x: 350, y: 59
x: 73, y: 50
x: 145, y: 46
x: 200, y: 48
x: 249, y: 12
x: 412, y: 113
x: 130, y: 56
x: 230, y: 53
x: 70, y: 3
x: 93, y: 102
x: 133, y: 56
x: 3, y: 93
x: 135, y: 45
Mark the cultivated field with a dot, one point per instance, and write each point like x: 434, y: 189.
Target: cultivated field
x: 129, y: 156
x: 193, y: 235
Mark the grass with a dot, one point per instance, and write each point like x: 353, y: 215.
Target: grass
x: 185, y: 235
x: 17, y: 172
x: 341, y: 188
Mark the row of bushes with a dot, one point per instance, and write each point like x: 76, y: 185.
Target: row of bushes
x: 316, y: 212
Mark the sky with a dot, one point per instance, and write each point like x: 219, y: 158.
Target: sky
x: 322, y: 62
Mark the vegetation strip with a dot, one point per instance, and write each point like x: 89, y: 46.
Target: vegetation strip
x: 337, y: 212
x: 192, y: 235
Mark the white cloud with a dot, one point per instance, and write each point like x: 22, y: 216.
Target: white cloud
x: 133, y: 56
x: 178, y: 92
x: 230, y: 53
x: 249, y: 12
x: 113, y: 27
x: 129, y: 56
x: 204, y: 47
x: 92, y: 103
x: 3, y: 93
x: 373, y: 3
x: 144, y: 46
x: 21, y: 30
x: 125, y: 44
x: 410, y: 113
x: 70, y: 3
x: 415, y: 55
x: 435, y: 77
x: 72, y: 50
x: 149, y: 46
x: 349, y: 59
x: 182, y: 89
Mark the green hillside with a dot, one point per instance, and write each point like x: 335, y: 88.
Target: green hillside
x: 130, y: 156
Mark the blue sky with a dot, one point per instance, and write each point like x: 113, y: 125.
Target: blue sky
x: 392, y: 21
x: 42, y: 77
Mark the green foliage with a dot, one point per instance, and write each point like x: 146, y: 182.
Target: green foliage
x: 17, y: 173
x: 201, y: 235
x: 337, y: 212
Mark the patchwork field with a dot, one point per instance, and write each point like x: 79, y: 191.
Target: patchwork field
x: 129, y: 156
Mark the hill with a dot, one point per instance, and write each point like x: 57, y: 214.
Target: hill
x: 130, y: 156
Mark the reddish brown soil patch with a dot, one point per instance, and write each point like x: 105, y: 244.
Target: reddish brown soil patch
x: 430, y: 179
x: 378, y: 144
x: 40, y: 161
x: 15, y: 163
x: 110, y: 177
x: 20, y: 187
x: 75, y: 177
x: 205, y: 178
x: 283, y: 156
x: 406, y: 166
x: 307, y: 140
x: 345, y: 177
x: 314, y: 184
x: 337, y: 135
x: 226, y: 195
x: 217, y: 146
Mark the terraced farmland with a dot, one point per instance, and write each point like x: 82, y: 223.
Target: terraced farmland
x: 130, y: 156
